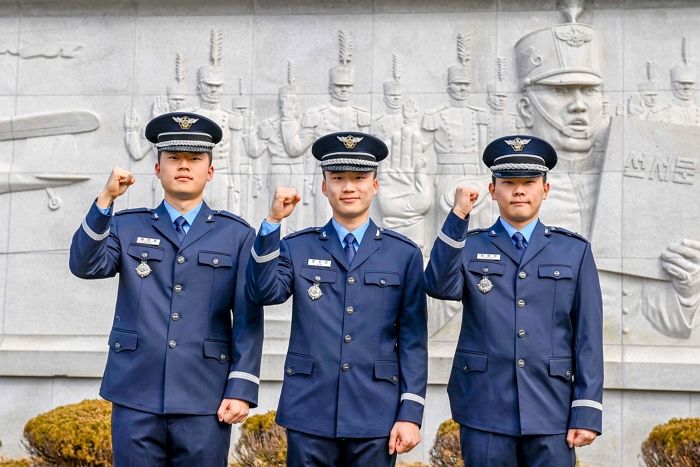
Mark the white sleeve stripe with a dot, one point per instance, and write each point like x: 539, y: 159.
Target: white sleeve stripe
x: 92, y: 234
x: 407, y: 396
x: 587, y: 403
x: 453, y: 243
x: 264, y: 258
x: 244, y: 375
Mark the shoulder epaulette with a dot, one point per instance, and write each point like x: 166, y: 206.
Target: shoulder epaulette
x: 437, y: 109
x: 393, y: 233
x: 476, y: 231
x: 303, y: 231
x: 133, y: 211
x: 231, y: 215
x: 568, y: 233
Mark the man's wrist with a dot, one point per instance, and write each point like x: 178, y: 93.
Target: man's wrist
x: 104, y: 200
x: 460, y: 214
x: 273, y: 220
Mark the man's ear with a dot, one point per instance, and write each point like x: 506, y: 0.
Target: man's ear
x: 158, y: 169
x: 525, y: 110
x: 210, y: 173
x: 324, y: 189
x: 492, y: 189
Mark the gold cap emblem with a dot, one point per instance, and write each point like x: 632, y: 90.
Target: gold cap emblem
x: 185, y: 122
x: 350, y: 141
x: 517, y: 144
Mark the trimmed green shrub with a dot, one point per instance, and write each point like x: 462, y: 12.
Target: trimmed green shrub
x: 74, y: 435
x: 262, y: 442
x: 445, y: 451
x: 675, y: 443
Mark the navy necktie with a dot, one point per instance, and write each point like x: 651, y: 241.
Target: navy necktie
x: 179, y: 230
x: 519, y: 243
x: 349, y: 248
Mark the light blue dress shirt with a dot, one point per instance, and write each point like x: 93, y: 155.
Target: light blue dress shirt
x: 174, y: 214
x: 526, y: 231
x: 269, y: 227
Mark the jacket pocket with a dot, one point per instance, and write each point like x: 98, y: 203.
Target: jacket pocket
x: 562, y: 368
x: 215, y: 260
x: 218, y: 350
x: 318, y: 275
x: 555, y: 271
x: 297, y: 364
x: 486, y: 268
x: 470, y: 361
x: 120, y: 340
x: 387, y: 370
x: 382, y: 279
x: 145, y: 252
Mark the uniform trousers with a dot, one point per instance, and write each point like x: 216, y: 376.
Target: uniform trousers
x: 486, y: 449
x: 307, y: 450
x: 146, y: 439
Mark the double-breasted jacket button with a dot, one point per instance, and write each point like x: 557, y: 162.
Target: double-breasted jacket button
x: 521, y: 303
x: 180, y: 259
x: 521, y: 363
x: 178, y: 288
x: 351, y: 280
x: 345, y: 367
x: 172, y: 344
x: 522, y: 274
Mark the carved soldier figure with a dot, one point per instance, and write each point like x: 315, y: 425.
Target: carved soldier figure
x: 386, y: 124
x: 500, y: 121
x: 338, y: 115
x: 456, y: 131
x: 645, y: 105
x: 246, y: 170
x: 683, y: 109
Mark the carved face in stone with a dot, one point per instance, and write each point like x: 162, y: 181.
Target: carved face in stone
x: 458, y: 90
x: 340, y: 91
x: 650, y: 98
x: 393, y: 99
x: 683, y: 90
x: 210, y: 91
x: 176, y: 102
x: 497, y: 100
x: 565, y: 115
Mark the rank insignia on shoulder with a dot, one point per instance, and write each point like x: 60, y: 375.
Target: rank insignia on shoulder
x: 315, y: 292
x: 485, y: 285
x: 143, y: 269
x: 148, y: 241
x: 488, y: 256
x: 323, y: 263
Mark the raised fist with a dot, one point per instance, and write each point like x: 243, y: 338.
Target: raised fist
x: 117, y: 184
x: 465, y: 197
x: 283, y: 203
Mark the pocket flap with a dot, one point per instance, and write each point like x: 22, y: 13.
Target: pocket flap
x: 216, y: 349
x: 123, y: 340
x: 561, y: 367
x: 298, y: 364
x: 556, y: 271
x: 217, y: 260
x: 382, y: 279
x: 468, y: 361
x: 486, y: 268
x: 387, y: 370
x: 319, y: 275
x: 145, y: 252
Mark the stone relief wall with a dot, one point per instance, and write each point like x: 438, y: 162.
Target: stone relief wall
x: 611, y: 84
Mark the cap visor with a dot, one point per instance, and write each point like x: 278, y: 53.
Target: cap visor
x: 572, y: 78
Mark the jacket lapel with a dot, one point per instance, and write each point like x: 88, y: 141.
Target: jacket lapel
x: 538, y: 240
x: 499, y: 237
x: 201, y: 226
x: 368, y: 246
x: 330, y: 243
x: 163, y: 224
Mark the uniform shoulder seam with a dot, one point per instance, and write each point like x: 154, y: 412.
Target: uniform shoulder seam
x: 436, y: 109
x: 476, y: 231
x: 231, y: 215
x: 395, y: 234
x: 133, y: 211
x: 302, y: 232
x: 563, y: 231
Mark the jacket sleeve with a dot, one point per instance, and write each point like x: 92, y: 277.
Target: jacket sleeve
x: 95, y: 249
x: 443, y: 276
x: 413, y: 344
x: 246, y: 336
x: 269, y: 277
x: 587, y: 404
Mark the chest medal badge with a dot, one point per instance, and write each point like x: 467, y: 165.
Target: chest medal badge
x: 143, y: 269
x: 315, y: 291
x: 485, y: 285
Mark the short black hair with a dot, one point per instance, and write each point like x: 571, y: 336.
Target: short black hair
x: 374, y: 172
x: 208, y: 154
x: 544, y: 178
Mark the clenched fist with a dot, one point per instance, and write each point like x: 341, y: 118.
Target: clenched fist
x: 117, y: 184
x: 283, y: 203
x: 465, y: 197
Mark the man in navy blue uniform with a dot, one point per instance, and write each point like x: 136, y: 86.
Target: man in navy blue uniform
x: 527, y: 379
x: 356, y: 368
x: 185, y: 346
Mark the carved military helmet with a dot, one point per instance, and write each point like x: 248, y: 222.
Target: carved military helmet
x: 183, y: 132
x: 349, y: 151
x: 519, y: 156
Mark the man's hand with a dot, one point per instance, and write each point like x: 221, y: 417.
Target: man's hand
x: 117, y: 184
x: 578, y: 437
x: 682, y: 262
x: 233, y: 411
x: 465, y: 197
x: 283, y: 203
x: 404, y: 437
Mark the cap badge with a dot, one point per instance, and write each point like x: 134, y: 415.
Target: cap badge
x: 574, y: 37
x: 185, y: 122
x: 517, y: 144
x: 350, y: 141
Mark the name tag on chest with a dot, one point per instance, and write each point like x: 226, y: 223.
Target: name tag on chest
x: 488, y: 256
x: 148, y: 241
x: 323, y: 263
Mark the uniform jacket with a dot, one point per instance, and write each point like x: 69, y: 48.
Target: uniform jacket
x: 183, y: 336
x: 529, y: 359
x: 357, y: 358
